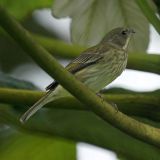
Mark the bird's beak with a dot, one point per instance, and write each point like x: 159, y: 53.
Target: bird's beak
x: 131, y: 31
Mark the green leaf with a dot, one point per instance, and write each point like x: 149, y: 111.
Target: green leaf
x: 92, y: 19
x: 21, y: 8
x: 86, y: 127
x: 150, y: 14
x: 157, y: 2
x: 18, y: 146
x: 8, y: 81
x: 11, y: 54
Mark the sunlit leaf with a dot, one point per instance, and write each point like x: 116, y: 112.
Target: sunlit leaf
x: 21, y: 8
x: 92, y: 19
x: 18, y: 146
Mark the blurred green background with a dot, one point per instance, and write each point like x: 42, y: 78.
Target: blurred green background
x: 54, y: 133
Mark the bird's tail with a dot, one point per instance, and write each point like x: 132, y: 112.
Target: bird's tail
x: 38, y: 105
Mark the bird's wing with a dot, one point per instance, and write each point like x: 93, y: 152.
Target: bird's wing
x: 86, y: 58
x: 52, y: 86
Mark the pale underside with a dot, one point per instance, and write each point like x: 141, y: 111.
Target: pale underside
x: 98, y: 75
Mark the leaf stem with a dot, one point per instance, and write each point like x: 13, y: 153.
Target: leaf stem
x: 129, y: 103
x: 137, y: 61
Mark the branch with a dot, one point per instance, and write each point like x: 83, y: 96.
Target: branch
x: 59, y: 48
x: 144, y: 62
x: 136, y: 104
x: 138, y: 61
x: 131, y: 126
x: 149, y: 13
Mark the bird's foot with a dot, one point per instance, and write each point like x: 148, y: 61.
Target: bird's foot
x: 114, y: 106
x: 111, y: 103
x: 100, y: 96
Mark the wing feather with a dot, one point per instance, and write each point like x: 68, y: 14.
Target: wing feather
x: 86, y: 58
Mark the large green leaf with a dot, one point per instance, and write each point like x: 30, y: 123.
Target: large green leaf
x: 11, y: 55
x: 18, y: 146
x: 85, y: 127
x: 21, y: 8
x: 92, y: 19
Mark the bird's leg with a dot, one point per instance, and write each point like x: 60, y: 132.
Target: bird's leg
x: 114, y: 106
x: 111, y: 103
x: 100, y: 96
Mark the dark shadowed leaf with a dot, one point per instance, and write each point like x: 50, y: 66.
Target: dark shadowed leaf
x: 10, y: 82
x: 157, y: 2
x: 86, y: 127
x: 92, y: 19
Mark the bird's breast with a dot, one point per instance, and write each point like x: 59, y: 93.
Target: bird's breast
x: 98, y: 75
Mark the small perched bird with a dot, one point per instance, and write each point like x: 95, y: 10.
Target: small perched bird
x: 96, y: 67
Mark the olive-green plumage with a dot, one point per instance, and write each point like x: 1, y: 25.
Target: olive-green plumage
x: 96, y: 67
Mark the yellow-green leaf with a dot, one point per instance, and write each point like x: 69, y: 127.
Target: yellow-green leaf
x: 21, y: 8
x: 18, y: 146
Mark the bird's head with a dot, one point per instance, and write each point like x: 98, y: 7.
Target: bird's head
x: 119, y: 37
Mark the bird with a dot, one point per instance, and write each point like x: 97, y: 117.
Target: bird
x: 96, y: 67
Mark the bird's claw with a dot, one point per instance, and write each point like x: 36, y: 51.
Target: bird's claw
x: 114, y: 106
x: 111, y: 103
x: 100, y: 96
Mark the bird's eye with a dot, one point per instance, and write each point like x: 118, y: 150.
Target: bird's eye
x: 124, y: 32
